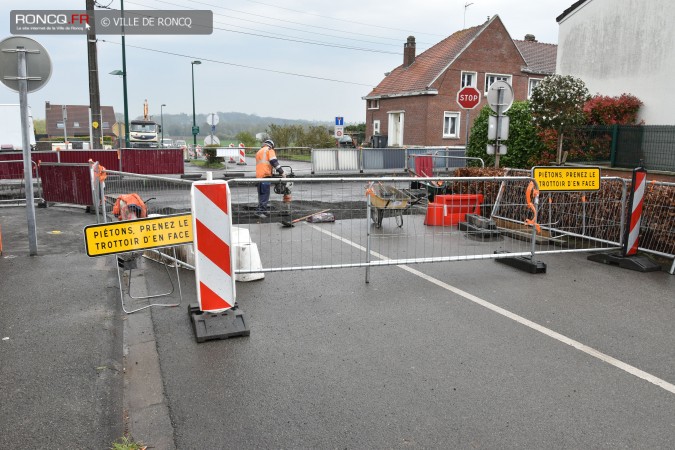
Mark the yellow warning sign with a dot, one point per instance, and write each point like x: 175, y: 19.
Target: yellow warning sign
x: 567, y: 178
x: 141, y: 234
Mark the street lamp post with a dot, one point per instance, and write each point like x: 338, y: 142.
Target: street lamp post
x: 126, y: 104
x: 161, y: 124
x: 194, y: 116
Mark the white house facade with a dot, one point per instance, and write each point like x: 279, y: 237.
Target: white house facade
x: 622, y: 46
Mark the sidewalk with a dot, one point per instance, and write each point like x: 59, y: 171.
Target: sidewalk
x: 62, y: 373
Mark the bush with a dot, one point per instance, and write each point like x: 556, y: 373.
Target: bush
x: 524, y: 144
x: 604, y: 110
x: 210, y: 153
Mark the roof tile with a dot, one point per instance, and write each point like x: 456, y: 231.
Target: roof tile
x: 539, y: 57
x: 427, y: 65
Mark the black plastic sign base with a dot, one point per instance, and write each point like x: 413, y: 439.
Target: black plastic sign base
x: 224, y: 325
x: 524, y: 263
x: 635, y: 262
x: 478, y: 227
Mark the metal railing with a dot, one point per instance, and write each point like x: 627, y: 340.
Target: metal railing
x: 13, y: 186
x: 358, y: 160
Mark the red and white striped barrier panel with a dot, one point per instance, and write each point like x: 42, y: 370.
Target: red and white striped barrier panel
x: 636, y: 202
x: 242, y: 155
x: 212, y: 225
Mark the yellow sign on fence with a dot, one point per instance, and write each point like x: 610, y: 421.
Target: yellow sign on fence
x: 567, y: 178
x: 141, y: 234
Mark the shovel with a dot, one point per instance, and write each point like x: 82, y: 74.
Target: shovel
x: 289, y: 223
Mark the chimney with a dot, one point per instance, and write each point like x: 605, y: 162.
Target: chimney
x: 530, y: 38
x: 409, y: 51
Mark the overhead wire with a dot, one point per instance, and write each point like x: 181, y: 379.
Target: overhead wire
x: 288, y: 39
x: 276, y: 19
x: 276, y: 25
x: 331, y: 18
x: 266, y: 69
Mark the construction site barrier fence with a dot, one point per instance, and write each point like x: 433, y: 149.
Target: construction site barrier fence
x: 12, y: 183
x: 66, y: 183
x: 374, y: 221
x: 163, y: 161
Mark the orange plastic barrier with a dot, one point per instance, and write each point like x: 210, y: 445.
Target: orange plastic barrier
x: 450, y: 209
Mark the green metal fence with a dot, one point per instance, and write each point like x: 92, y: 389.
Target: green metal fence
x: 623, y: 146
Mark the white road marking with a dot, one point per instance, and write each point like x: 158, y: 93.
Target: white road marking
x: 521, y: 320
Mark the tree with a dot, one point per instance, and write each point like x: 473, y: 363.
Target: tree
x: 316, y: 136
x: 524, y: 145
x: 557, y: 103
x: 246, y: 138
x: 284, y: 135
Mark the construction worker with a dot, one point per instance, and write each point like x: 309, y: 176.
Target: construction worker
x: 265, y: 161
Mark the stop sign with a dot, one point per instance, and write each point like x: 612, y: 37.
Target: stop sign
x: 468, y: 97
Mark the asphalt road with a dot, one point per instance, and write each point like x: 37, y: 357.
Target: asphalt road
x: 449, y: 355
x: 470, y: 354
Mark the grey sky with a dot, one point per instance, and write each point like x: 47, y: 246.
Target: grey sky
x: 283, y: 76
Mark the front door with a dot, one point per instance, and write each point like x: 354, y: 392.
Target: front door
x: 395, y: 138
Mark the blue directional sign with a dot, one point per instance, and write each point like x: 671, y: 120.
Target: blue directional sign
x: 339, y: 121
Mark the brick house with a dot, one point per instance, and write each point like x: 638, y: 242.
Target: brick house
x: 416, y: 103
x: 77, y: 120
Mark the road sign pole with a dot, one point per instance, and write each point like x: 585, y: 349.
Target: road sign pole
x: 466, y: 139
x: 25, y: 143
x: 500, y: 99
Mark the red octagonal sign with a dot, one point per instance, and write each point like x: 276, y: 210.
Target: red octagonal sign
x: 468, y: 97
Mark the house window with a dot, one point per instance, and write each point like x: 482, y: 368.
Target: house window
x: 76, y: 124
x: 106, y: 125
x: 59, y: 125
x: 373, y: 104
x: 450, y: 124
x: 376, y: 127
x: 492, y: 77
x: 469, y: 79
x: 533, y: 82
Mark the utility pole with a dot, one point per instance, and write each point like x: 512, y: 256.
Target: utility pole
x: 94, y: 92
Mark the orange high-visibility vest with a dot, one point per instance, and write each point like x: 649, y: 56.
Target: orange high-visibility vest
x: 263, y: 168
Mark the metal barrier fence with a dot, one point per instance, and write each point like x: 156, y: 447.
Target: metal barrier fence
x: 67, y: 183
x: 146, y: 161
x: 337, y: 160
x: 162, y: 195
x: 13, y: 184
x: 407, y: 220
x: 657, y: 234
x: 629, y: 146
x: 399, y: 225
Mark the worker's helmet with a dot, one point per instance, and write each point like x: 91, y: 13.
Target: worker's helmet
x: 269, y: 143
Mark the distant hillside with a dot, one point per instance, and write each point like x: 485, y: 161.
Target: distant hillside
x: 229, y: 125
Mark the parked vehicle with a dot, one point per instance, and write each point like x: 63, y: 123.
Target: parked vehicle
x: 168, y: 143
x: 10, y: 128
x: 346, y: 141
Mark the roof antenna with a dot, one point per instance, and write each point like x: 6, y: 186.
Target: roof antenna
x: 466, y: 5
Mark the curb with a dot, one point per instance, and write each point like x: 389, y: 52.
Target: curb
x: 147, y: 411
